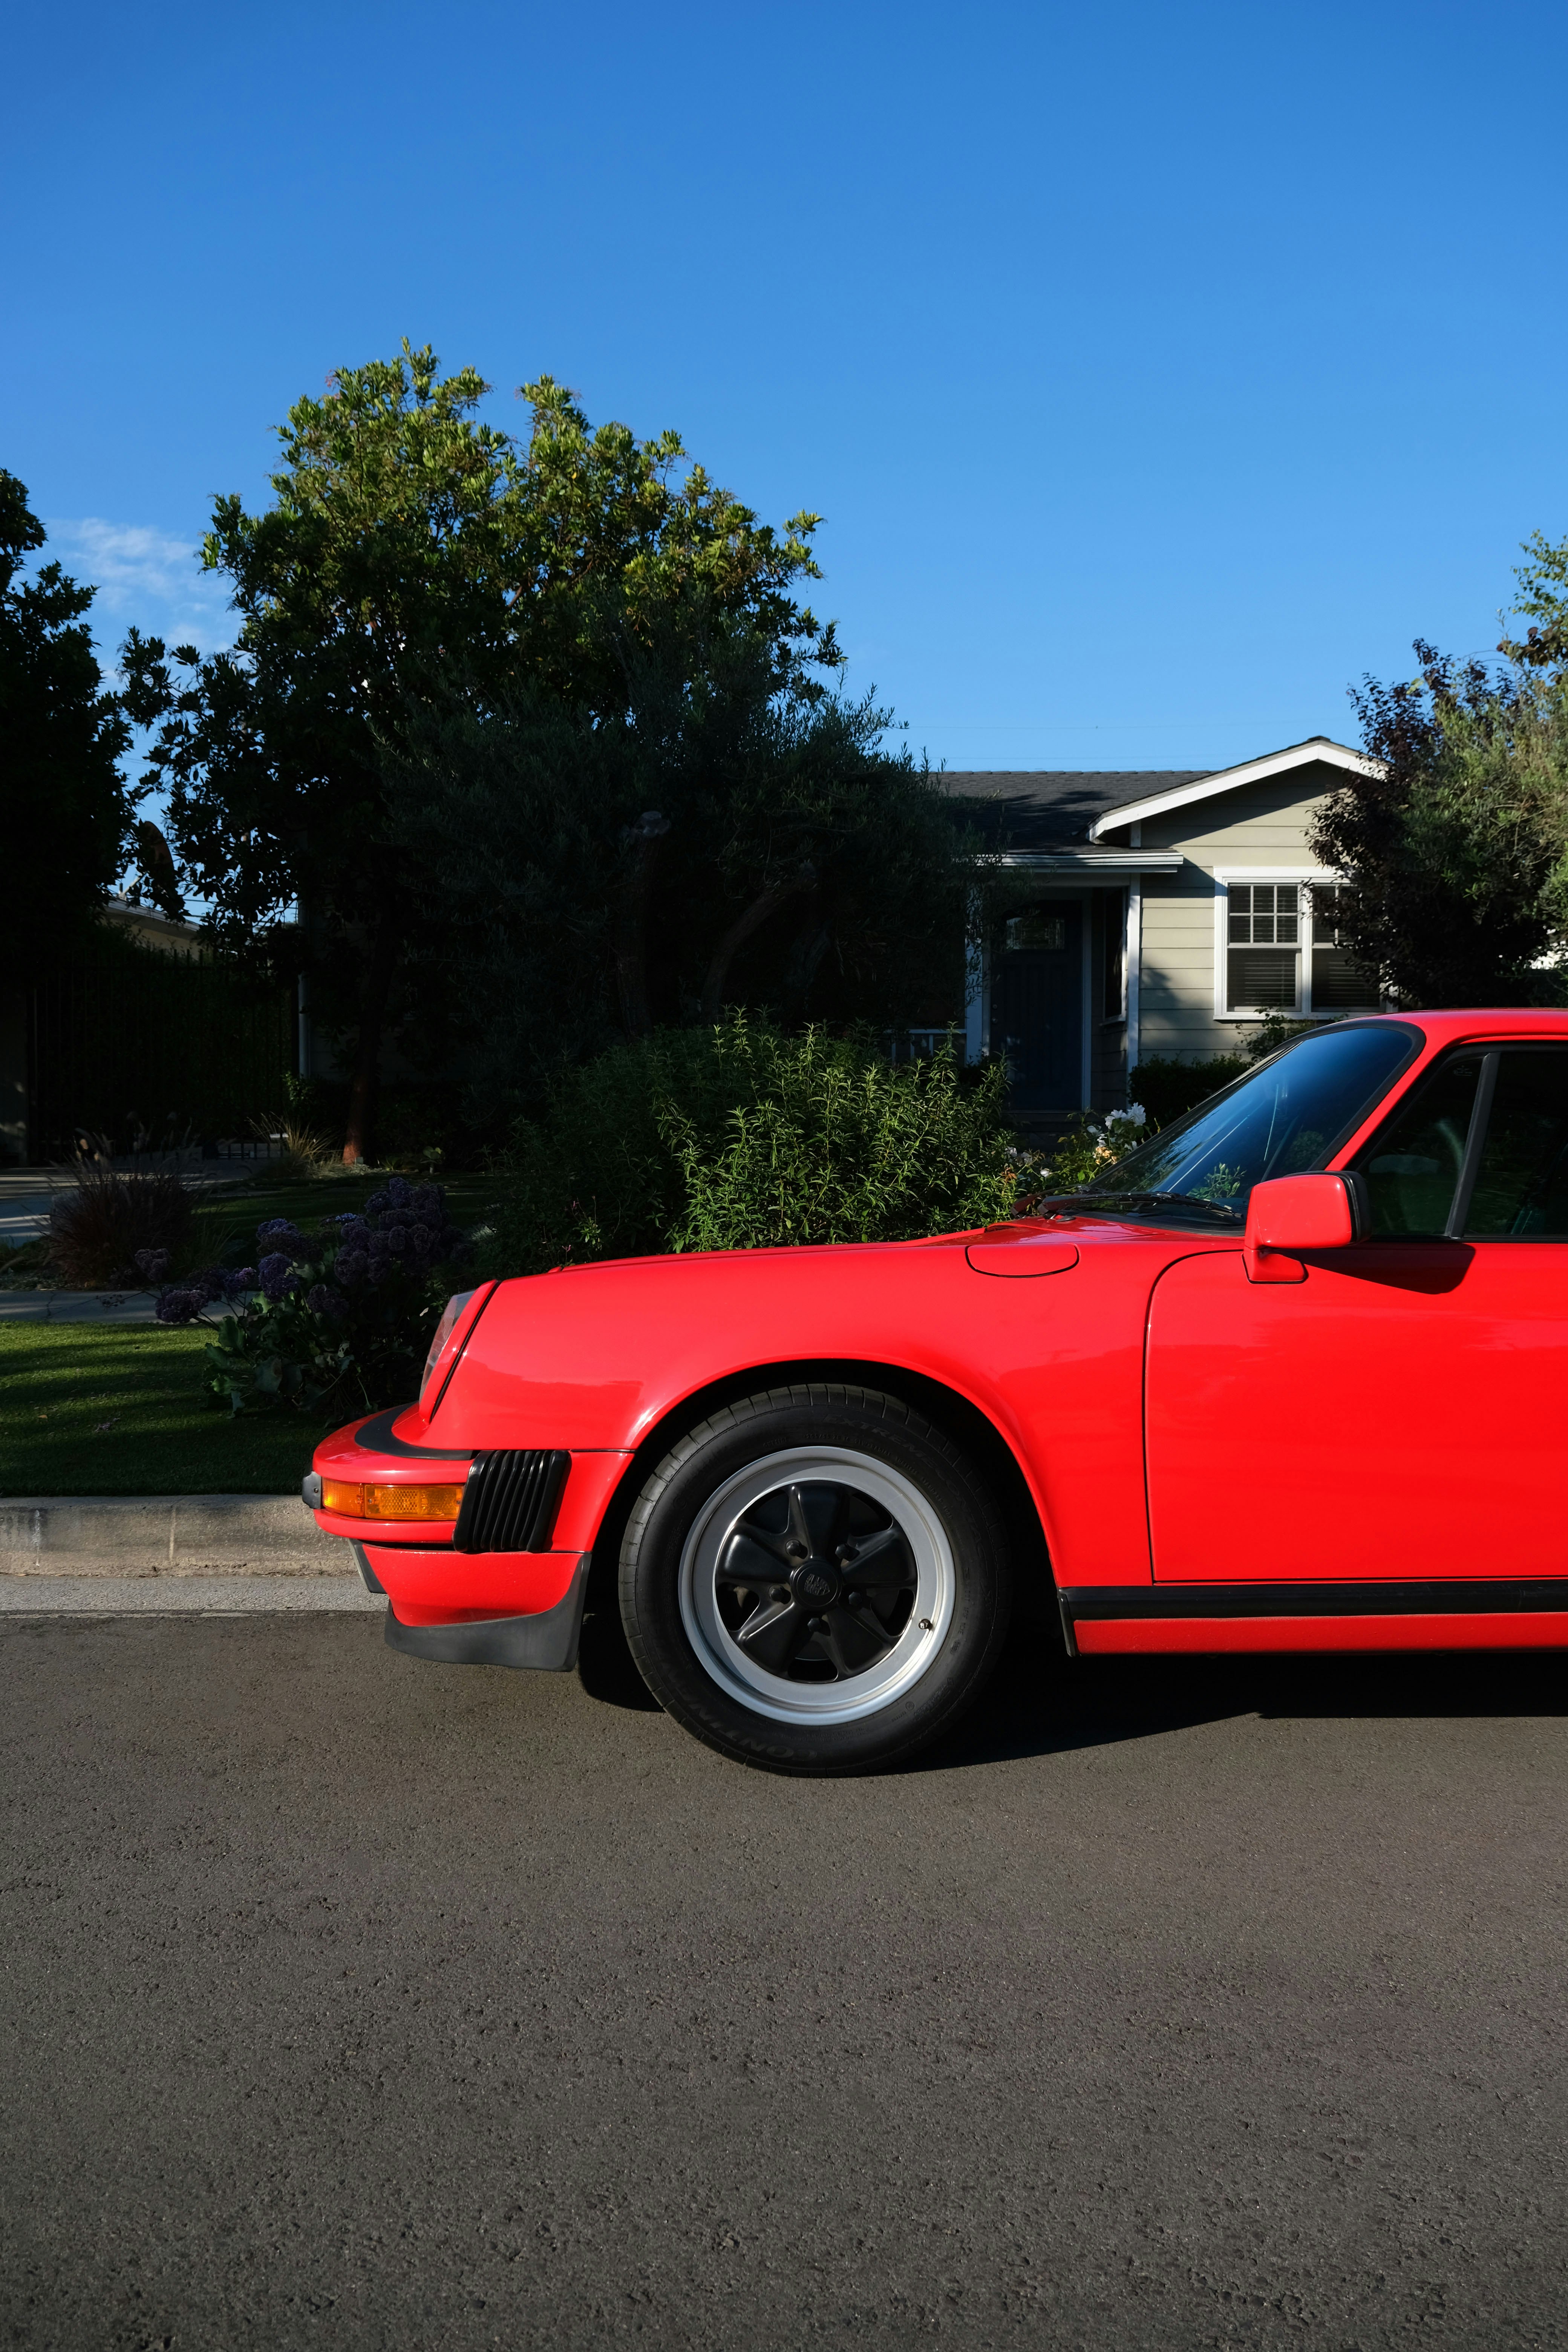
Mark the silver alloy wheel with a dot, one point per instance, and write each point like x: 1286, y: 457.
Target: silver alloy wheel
x: 816, y: 1585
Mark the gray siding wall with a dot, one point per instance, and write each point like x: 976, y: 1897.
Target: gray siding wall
x: 1265, y: 825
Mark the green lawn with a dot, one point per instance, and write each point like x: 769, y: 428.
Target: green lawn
x: 117, y: 1409
x: 236, y: 1215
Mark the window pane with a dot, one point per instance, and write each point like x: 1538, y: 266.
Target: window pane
x: 1523, y: 1186
x: 1036, y: 930
x: 1326, y: 916
x: 1261, y: 976
x: 1337, y: 983
x: 1412, y: 1165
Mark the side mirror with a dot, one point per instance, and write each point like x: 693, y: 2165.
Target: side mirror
x: 1290, y: 1214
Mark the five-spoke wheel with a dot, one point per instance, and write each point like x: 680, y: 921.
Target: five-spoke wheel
x: 814, y: 1579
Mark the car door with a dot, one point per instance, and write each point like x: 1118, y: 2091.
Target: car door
x: 1400, y: 1413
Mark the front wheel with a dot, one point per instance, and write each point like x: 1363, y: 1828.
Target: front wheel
x: 815, y: 1581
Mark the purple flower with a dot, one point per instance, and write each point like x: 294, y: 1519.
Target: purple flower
x: 152, y: 1264
x: 352, y: 1266
x: 429, y: 1204
x: 273, y: 1272
x: 322, y: 1301
x: 376, y: 1203
x: 396, y: 1240
x: 399, y: 1191
x: 280, y: 1236
x: 242, y: 1280
x: 178, y: 1307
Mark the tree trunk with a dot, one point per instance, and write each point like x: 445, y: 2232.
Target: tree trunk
x: 740, y: 931
x: 365, y: 1084
x: 642, y: 841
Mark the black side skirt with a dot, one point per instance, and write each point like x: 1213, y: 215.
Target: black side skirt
x: 546, y: 1640
x: 1445, y: 1597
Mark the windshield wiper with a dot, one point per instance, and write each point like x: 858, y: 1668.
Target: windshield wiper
x: 1166, y: 1200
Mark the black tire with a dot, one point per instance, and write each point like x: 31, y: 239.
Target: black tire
x: 742, y: 1572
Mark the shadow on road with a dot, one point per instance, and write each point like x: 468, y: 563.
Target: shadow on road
x: 1041, y: 1703
x: 605, y: 1665
x: 1038, y: 1705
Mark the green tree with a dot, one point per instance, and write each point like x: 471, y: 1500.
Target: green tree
x: 1543, y: 602
x: 718, y: 843
x: 411, y: 548
x: 1452, y: 845
x: 69, y: 811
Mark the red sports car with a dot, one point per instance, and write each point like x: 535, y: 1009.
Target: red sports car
x: 1291, y: 1377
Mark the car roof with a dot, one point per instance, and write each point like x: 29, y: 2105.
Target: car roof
x: 1486, y: 1021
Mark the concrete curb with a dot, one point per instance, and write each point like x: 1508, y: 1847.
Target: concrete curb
x: 185, y: 1596
x: 119, y: 1537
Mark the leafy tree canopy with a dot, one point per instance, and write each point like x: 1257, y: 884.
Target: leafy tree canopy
x: 68, y: 812
x: 1453, y: 846
x: 412, y: 550
x: 718, y: 845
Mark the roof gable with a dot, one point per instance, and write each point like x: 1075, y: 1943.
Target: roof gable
x: 1033, y: 810
x: 1318, y: 750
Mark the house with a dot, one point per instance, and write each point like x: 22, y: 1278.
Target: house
x: 1170, y: 908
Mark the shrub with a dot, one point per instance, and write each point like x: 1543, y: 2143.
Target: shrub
x: 336, y: 1318
x: 1167, y: 1087
x: 1091, y: 1143
x: 738, y: 1136
x: 840, y: 1146
x: 100, y: 1226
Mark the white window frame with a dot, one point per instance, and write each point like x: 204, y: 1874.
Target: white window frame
x: 1306, y: 879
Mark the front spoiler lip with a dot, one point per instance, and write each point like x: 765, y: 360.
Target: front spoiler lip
x: 545, y: 1641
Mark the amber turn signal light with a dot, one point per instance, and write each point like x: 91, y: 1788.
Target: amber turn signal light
x: 391, y: 1502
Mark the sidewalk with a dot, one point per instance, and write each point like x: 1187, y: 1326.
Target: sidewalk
x: 163, y: 1555
x: 76, y: 1306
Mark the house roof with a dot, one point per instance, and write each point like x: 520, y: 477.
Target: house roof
x: 1053, y: 808
x: 1034, y: 809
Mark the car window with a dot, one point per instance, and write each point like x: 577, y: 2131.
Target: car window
x: 1287, y: 1116
x: 1522, y: 1179
x: 1412, y: 1164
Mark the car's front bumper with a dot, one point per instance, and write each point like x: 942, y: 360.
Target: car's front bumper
x: 478, y: 1607
x: 543, y: 1639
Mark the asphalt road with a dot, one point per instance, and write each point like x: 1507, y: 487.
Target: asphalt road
x: 350, y: 2001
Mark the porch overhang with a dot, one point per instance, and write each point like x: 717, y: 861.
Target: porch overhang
x: 1093, y: 861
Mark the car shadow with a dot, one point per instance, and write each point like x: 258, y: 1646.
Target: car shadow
x: 605, y: 1669
x: 1045, y: 1705
x: 1042, y: 1704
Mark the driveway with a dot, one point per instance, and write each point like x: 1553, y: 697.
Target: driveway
x: 350, y: 2001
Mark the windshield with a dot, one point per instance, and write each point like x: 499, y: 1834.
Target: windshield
x: 1288, y: 1114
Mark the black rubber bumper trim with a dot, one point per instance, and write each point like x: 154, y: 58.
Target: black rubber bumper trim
x: 376, y: 1437
x: 1445, y: 1597
x: 546, y: 1640
x: 367, y: 1575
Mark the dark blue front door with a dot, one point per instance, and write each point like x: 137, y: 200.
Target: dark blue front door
x: 1037, y: 1007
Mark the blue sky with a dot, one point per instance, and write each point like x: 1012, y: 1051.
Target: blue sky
x: 1158, y: 368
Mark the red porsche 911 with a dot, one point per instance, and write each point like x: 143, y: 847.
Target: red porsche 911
x: 1291, y: 1377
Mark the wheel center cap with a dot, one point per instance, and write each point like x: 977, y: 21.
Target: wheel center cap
x: 815, y: 1583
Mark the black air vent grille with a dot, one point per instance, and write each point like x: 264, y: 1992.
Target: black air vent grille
x: 508, y: 1503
